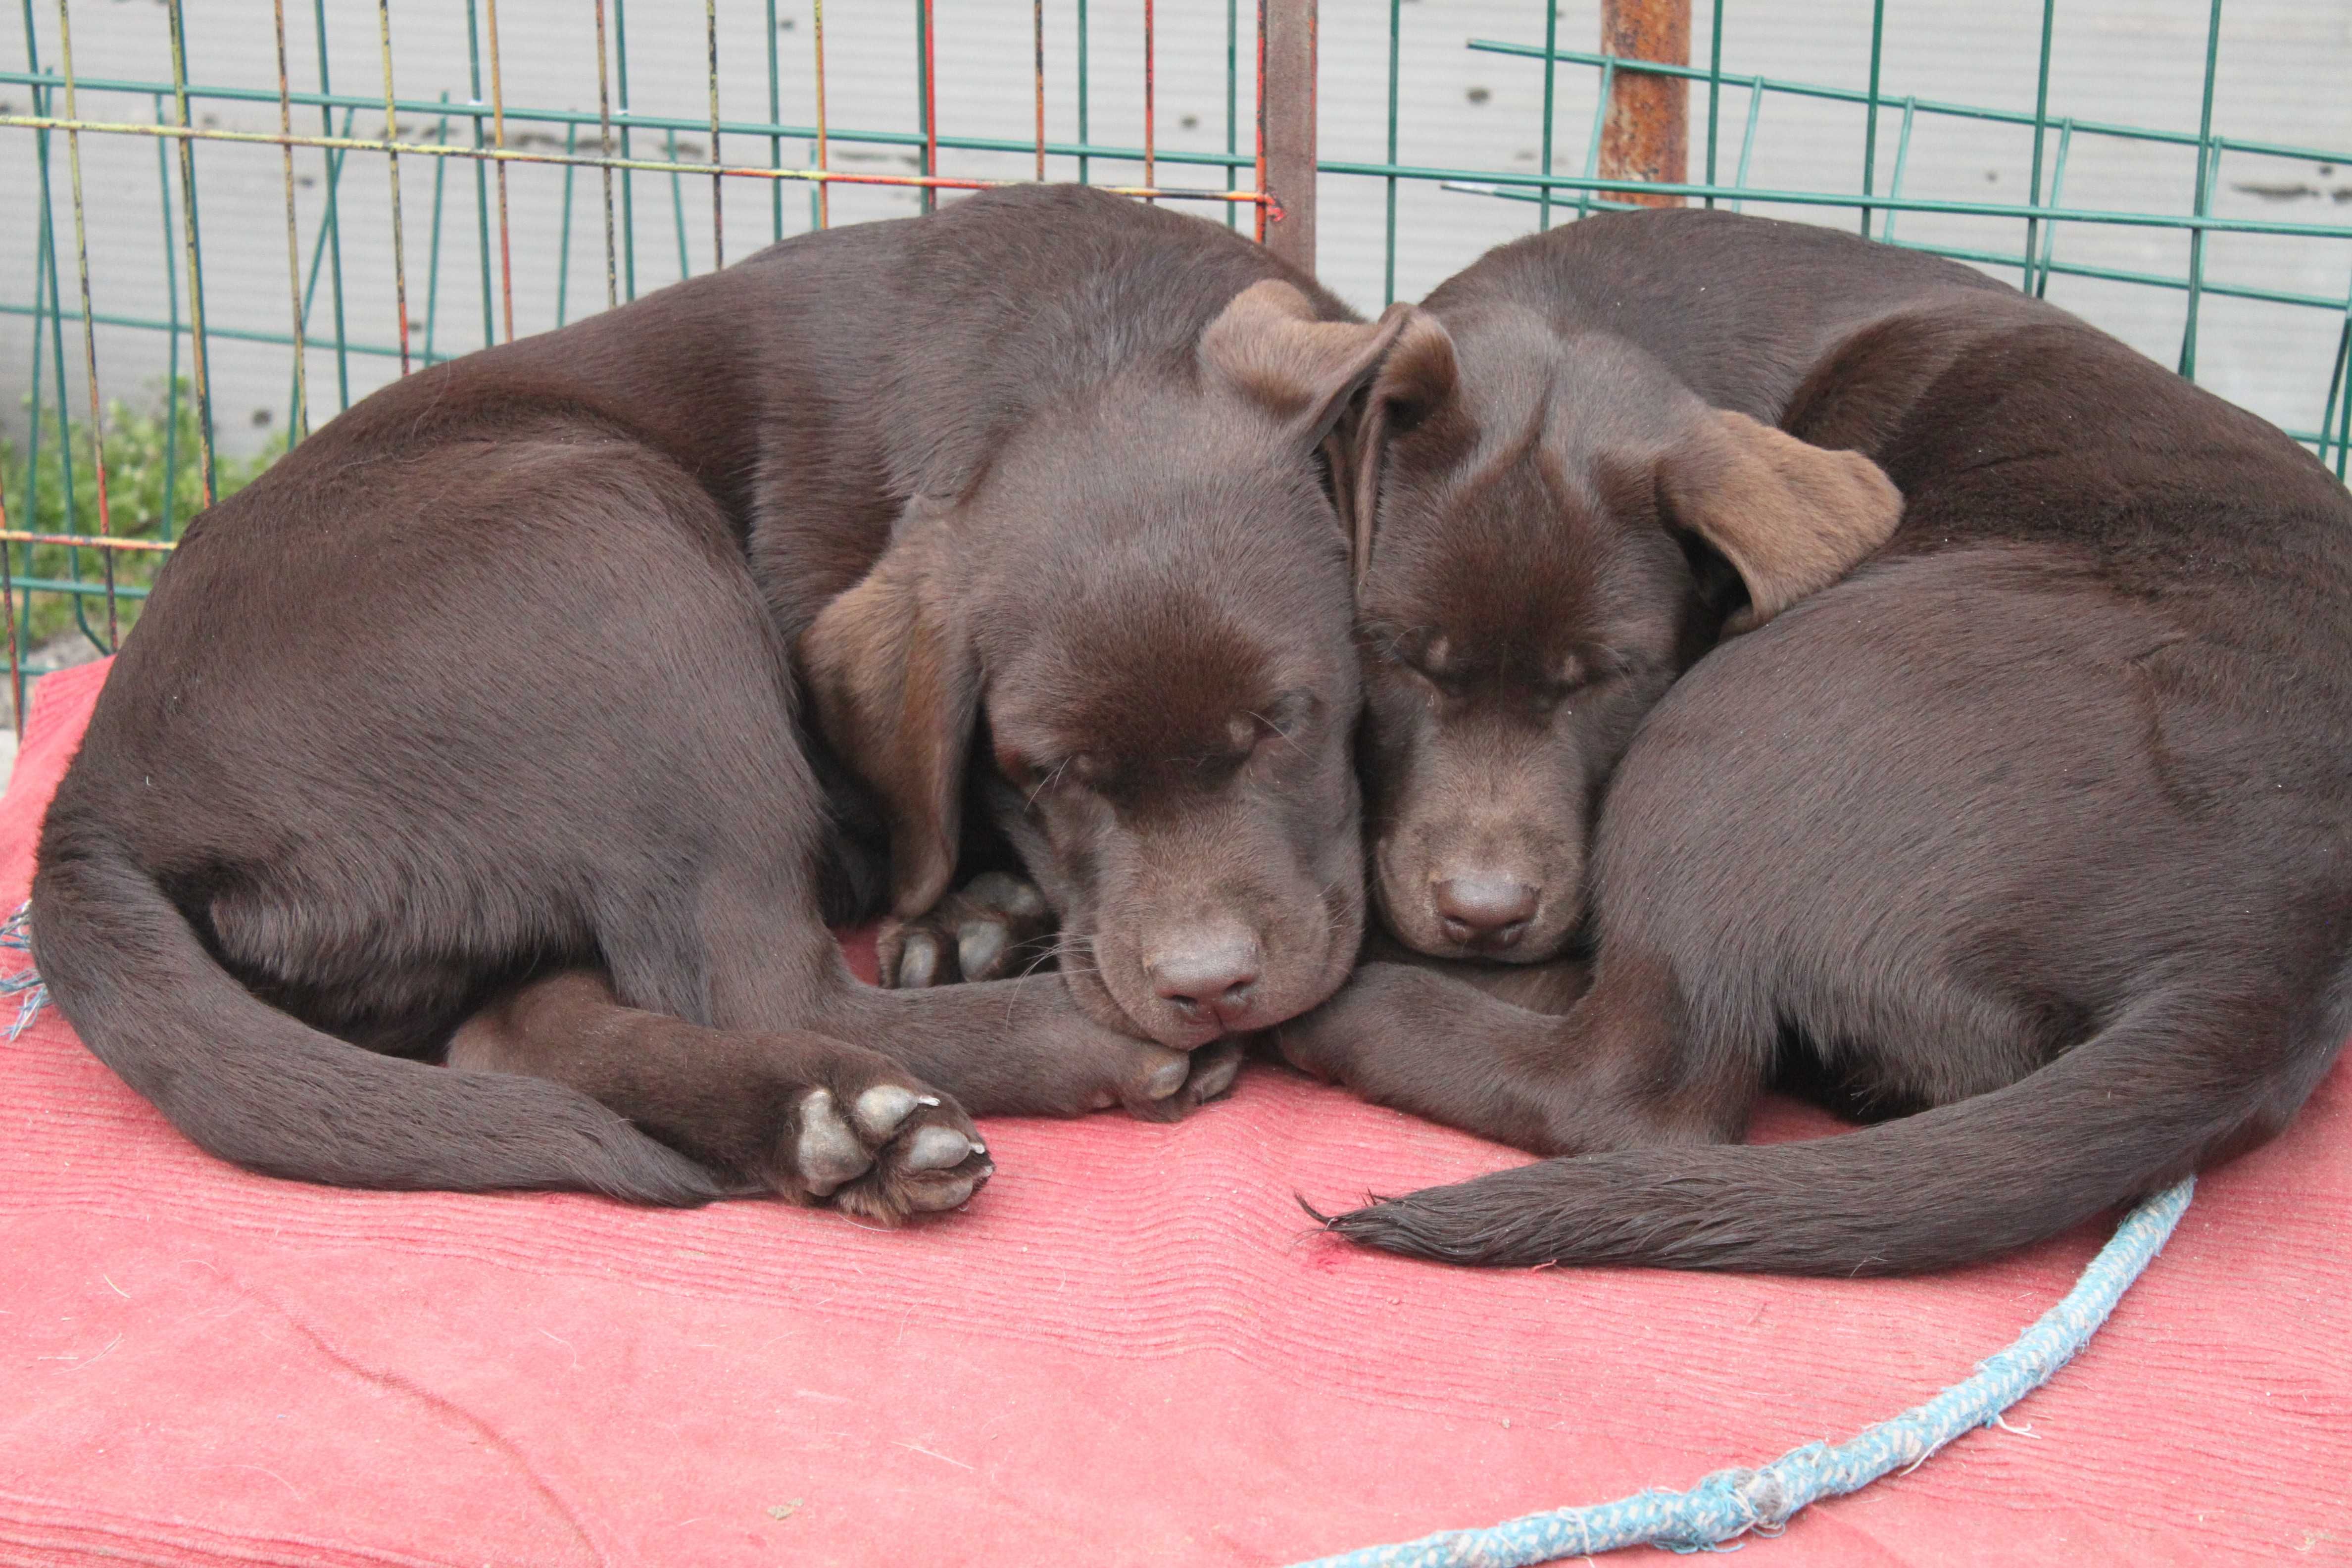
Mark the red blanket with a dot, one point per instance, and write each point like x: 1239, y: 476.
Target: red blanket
x: 1129, y: 1350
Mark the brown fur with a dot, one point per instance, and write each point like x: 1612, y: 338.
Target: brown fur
x: 481, y: 706
x: 1790, y: 517
x: 2033, y: 832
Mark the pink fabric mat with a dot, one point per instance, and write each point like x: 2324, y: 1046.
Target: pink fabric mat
x: 1130, y: 1350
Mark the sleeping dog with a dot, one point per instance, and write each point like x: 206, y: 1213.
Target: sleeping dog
x: 2034, y: 830
x: 474, y: 728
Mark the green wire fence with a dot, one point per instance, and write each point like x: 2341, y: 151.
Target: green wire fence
x: 96, y: 492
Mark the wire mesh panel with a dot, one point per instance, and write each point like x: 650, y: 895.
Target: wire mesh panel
x: 234, y: 220
x: 226, y: 223
x: 2178, y: 170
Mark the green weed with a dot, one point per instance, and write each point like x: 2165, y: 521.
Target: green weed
x: 147, y: 459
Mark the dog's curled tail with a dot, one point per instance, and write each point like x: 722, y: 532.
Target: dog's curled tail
x: 2130, y: 1110
x: 256, y: 1086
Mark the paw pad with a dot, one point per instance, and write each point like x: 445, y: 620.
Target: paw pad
x: 828, y: 1152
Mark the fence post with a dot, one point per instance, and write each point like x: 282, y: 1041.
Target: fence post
x: 1647, y: 134
x: 1285, y: 127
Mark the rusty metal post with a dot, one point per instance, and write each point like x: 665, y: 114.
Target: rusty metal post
x: 1647, y: 134
x: 1285, y: 128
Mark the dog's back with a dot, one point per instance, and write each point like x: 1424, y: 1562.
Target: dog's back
x: 1740, y: 309
x: 492, y: 676
x: 2037, y: 823
x: 2002, y: 419
x: 812, y: 388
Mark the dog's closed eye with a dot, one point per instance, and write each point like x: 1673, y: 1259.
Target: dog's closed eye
x: 1562, y: 679
x: 1031, y: 776
x: 1587, y: 665
x: 1436, y: 680
x: 1283, y: 718
x: 1426, y: 657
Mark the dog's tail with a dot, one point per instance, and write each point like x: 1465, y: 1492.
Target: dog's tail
x: 2130, y: 1110
x: 256, y: 1086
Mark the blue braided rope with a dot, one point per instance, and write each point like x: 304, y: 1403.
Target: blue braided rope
x: 1731, y: 1503
x: 24, y: 985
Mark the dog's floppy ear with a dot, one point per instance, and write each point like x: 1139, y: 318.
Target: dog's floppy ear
x: 1418, y: 378
x: 896, y: 682
x: 1268, y: 346
x: 1790, y: 517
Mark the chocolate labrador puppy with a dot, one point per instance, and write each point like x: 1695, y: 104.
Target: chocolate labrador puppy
x: 2034, y: 830
x: 473, y: 726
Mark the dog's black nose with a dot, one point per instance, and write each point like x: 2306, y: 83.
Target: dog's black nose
x: 1208, y: 974
x: 1487, y: 915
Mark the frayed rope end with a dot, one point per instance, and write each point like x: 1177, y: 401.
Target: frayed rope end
x: 25, y: 983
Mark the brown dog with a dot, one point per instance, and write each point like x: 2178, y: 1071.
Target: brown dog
x: 2038, y: 825
x: 480, y: 706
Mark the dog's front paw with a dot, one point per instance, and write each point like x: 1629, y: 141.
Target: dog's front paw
x: 994, y: 925
x: 885, y: 1150
x: 1081, y: 1066
x: 1208, y: 1073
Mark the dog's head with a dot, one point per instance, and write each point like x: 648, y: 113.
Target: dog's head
x: 1540, y: 538
x: 1136, y: 628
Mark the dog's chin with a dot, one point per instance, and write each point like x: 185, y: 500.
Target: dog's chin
x: 1413, y: 921
x: 1101, y: 1001
x: 1407, y: 919
x: 1346, y: 912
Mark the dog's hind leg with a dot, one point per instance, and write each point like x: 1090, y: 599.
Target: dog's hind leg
x: 703, y: 905
x: 817, y: 1120
x: 1002, y: 1048
x: 738, y: 945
